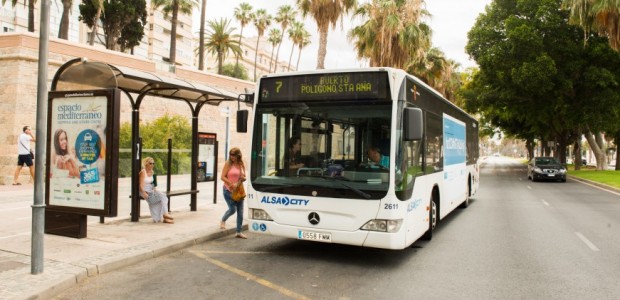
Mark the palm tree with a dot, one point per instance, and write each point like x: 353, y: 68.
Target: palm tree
x: 296, y: 33
x: 221, y: 41
x: 31, y: 5
x: 63, y: 30
x: 305, y: 41
x: 243, y: 14
x: 262, y: 20
x: 286, y: 14
x: 325, y: 13
x: 274, y: 39
x: 393, y: 34
x: 600, y: 15
x: 174, y: 7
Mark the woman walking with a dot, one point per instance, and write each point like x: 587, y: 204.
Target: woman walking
x: 233, y: 175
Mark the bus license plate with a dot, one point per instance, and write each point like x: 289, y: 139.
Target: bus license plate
x: 314, y: 236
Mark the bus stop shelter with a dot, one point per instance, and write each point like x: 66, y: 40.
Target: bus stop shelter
x: 81, y: 74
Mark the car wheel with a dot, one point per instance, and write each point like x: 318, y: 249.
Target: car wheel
x: 432, y: 220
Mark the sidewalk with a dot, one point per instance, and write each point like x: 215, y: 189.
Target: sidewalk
x: 115, y: 244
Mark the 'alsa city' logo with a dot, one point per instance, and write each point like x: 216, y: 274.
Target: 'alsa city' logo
x: 284, y: 201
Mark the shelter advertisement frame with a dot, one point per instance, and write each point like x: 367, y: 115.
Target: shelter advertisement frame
x: 207, y: 161
x: 82, y: 152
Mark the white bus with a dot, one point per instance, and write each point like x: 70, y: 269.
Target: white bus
x: 310, y: 176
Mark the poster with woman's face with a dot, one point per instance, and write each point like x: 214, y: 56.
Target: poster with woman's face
x: 77, y: 152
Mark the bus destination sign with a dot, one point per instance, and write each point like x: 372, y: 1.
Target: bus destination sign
x: 325, y: 87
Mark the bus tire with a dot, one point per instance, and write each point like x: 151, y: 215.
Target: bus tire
x: 432, y: 219
x: 465, y: 203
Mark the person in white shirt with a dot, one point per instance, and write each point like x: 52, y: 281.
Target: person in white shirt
x: 24, y: 154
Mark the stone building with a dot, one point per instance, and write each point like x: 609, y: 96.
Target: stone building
x: 18, y: 93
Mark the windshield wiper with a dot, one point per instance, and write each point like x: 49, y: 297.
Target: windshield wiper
x: 339, y: 181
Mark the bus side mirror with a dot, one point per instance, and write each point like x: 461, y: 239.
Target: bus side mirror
x: 413, y: 124
x: 242, y: 120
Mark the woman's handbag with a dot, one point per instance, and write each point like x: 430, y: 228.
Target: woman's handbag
x: 238, y: 193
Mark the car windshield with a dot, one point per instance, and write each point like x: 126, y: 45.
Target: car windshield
x: 546, y: 161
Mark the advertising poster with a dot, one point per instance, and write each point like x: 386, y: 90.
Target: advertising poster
x: 455, y: 150
x: 206, y: 156
x: 77, y: 151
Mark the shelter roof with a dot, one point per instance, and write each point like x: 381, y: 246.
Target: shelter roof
x: 80, y: 74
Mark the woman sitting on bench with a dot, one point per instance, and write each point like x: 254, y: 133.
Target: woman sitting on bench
x: 158, y: 202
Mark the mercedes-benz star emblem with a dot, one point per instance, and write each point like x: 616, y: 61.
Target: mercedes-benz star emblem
x: 314, y: 218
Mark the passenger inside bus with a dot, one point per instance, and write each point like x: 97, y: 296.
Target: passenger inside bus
x: 294, y: 157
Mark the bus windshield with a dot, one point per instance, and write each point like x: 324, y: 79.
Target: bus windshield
x: 322, y: 149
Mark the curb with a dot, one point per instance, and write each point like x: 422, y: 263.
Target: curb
x: 74, y: 274
x: 597, y: 184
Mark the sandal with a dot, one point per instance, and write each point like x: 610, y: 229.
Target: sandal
x: 168, y: 221
x: 241, y: 236
x: 168, y: 217
x: 17, y: 183
x: 222, y: 225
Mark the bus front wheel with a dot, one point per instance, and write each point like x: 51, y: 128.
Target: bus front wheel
x: 432, y: 220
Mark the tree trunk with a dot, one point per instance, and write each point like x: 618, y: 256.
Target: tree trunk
x: 529, y: 144
x: 320, y: 64
x: 237, y: 60
x: 256, y: 56
x: 220, y: 61
x: 173, y: 32
x: 577, y: 155
x: 93, y: 33
x: 596, y: 148
x: 63, y: 31
x: 31, y: 15
x: 278, y: 52
x: 290, y: 58
x: 201, y: 49
x: 273, y: 49
x: 617, y: 142
x: 298, y: 57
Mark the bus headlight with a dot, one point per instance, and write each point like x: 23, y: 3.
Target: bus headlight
x: 383, y: 225
x: 259, y: 214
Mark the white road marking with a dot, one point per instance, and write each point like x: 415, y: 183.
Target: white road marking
x: 545, y: 202
x: 529, y: 187
x: 600, y: 188
x: 587, y: 242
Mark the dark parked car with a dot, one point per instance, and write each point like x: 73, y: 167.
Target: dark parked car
x: 546, y: 168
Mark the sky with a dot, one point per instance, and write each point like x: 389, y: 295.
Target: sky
x: 450, y: 22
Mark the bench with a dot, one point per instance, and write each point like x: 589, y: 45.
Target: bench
x: 180, y: 192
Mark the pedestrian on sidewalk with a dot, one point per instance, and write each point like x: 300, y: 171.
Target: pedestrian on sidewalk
x: 233, y: 175
x: 24, y: 154
x: 158, y: 202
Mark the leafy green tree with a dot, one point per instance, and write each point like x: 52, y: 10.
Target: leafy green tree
x: 221, y: 41
x: 155, y: 135
x: 536, y: 78
x: 325, y: 13
x: 236, y: 71
x: 123, y: 21
x: 171, y: 8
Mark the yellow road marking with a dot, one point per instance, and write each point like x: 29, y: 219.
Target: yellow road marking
x: 261, y: 281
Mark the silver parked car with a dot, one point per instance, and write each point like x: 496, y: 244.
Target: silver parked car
x: 546, y: 168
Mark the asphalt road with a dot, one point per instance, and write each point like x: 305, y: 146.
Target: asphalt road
x: 517, y: 240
